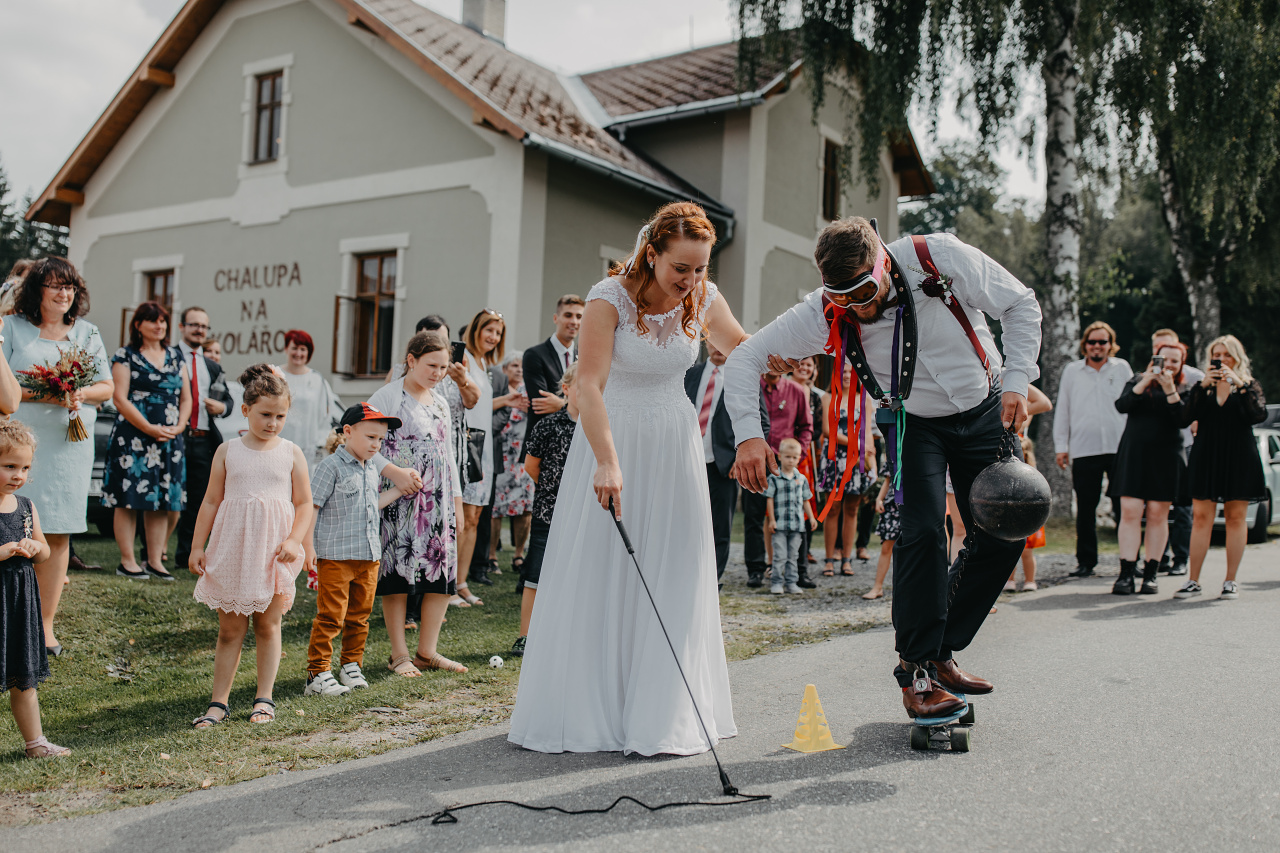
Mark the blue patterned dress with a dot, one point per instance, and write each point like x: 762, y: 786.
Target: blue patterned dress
x: 142, y: 473
x: 419, y: 532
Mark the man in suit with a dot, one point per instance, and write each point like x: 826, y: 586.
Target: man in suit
x: 201, y: 434
x: 703, y: 384
x: 544, y: 363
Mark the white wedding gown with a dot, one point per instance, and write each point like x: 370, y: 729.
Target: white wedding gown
x: 597, y: 673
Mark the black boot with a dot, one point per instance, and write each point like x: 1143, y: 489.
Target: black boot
x: 1149, y: 578
x: 1124, y: 585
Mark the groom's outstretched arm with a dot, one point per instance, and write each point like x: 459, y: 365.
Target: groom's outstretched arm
x: 800, y: 332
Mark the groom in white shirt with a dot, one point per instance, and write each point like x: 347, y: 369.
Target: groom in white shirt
x: 895, y: 313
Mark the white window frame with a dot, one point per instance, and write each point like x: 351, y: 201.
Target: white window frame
x: 143, y: 266
x: 248, y: 109
x: 611, y: 253
x: 348, y: 250
x: 826, y: 134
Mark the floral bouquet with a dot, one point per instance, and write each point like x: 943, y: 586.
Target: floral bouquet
x: 74, y: 370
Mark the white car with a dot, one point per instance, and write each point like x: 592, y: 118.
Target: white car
x: 1262, y: 513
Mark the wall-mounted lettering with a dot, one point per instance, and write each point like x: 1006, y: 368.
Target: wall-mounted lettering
x: 265, y: 276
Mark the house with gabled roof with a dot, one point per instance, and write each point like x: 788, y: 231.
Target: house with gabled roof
x: 349, y: 166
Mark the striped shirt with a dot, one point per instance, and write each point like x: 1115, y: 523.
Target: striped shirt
x: 347, y: 523
x: 789, y: 492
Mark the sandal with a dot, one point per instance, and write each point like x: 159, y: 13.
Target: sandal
x: 41, y: 748
x: 465, y: 594
x: 829, y: 571
x: 269, y: 713
x: 438, y: 661
x: 457, y: 601
x: 493, y: 568
x: 844, y: 568
x: 517, y: 564
x: 864, y: 555
x: 207, y: 721
x: 403, y: 665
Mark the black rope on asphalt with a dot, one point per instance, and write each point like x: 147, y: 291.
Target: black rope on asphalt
x: 447, y: 816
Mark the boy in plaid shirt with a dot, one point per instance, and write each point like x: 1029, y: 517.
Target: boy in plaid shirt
x: 344, y: 545
x: 787, y: 512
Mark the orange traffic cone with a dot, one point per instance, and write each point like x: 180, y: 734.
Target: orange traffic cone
x: 812, y: 732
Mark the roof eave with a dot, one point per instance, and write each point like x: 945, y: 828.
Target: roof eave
x: 726, y: 103
x: 721, y: 215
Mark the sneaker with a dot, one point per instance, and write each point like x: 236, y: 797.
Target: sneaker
x: 1229, y: 590
x: 351, y: 676
x: 1010, y: 586
x: 794, y: 588
x: 1179, y: 568
x: 324, y: 684
x: 776, y: 589
x: 517, y: 648
x: 1189, y: 589
x: 1030, y: 586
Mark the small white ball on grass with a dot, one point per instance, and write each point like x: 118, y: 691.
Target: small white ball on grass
x: 495, y: 662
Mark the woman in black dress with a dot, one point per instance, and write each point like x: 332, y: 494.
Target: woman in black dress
x: 1225, y: 465
x: 1150, y: 474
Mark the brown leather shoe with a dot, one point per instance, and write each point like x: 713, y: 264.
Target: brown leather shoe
x: 954, y: 678
x: 79, y: 565
x: 935, y: 702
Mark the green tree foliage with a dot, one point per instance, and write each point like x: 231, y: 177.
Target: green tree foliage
x: 1196, y: 87
x: 21, y: 239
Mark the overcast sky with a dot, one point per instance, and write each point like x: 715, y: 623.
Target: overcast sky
x: 61, y: 61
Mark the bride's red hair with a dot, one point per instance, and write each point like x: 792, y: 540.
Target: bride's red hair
x: 678, y: 220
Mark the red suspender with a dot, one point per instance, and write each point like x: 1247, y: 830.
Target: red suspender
x: 942, y: 288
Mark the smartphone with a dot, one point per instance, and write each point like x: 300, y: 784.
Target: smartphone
x: 1157, y: 361
x: 1215, y: 363
x: 458, y: 351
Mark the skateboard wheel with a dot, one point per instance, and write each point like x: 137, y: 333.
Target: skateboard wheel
x: 960, y: 739
x: 967, y: 717
x: 919, y: 737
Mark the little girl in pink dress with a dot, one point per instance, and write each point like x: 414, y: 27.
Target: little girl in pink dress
x: 258, y: 505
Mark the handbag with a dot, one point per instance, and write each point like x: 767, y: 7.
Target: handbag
x: 475, y: 454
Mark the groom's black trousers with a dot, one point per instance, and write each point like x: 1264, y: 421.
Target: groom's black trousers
x: 936, y: 610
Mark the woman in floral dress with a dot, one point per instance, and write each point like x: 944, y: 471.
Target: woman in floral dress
x: 513, y: 488
x: 419, y: 531
x: 145, y: 468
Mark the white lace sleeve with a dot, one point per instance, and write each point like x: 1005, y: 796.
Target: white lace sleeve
x: 712, y: 293
x: 613, y: 292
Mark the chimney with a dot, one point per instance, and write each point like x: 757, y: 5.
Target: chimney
x: 487, y: 17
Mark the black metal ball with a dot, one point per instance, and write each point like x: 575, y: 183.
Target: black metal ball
x: 1010, y: 500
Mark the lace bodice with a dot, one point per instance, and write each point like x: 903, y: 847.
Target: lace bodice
x: 648, y: 369
x: 259, y: 475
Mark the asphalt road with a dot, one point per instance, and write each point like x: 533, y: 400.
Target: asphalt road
x: 1136, y: 723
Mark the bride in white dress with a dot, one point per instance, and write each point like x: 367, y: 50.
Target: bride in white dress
x: 597, y: 673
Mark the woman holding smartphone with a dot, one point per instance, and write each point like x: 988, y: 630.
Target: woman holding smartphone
x: 1150, y: 474
x: 1225, y: 465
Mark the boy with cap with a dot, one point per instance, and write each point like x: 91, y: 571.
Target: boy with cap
x: 344, y: 545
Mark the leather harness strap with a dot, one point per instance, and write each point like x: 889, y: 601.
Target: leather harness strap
x: 937, y: 285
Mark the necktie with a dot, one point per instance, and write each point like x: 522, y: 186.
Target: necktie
x: 566, y: 359
x: 195, y: 391
x: 704, y: 414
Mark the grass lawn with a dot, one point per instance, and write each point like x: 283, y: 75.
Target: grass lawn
x: 131, y: 732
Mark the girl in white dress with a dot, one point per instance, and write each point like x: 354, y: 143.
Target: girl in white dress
x: 597, y: 673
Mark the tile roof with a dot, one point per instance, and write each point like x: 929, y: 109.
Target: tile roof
x: 703, y: 74
x: 532, y: 96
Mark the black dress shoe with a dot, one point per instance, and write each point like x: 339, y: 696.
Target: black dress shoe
x: 755, y: 579
x: 80, y: 565
x: 1082, y: 572
x: 805, y: 583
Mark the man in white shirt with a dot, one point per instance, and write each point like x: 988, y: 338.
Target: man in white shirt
x: 1178, y: 552
x: 201, y: 437
x: 1087, y: 430
x: 950, y: 403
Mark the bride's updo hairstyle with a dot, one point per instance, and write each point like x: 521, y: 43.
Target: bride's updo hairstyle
x: 678, y: 220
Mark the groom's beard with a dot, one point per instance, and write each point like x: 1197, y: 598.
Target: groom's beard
x: 879, y: 305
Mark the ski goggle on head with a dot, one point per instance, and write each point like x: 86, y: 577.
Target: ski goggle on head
x: 862, y: 289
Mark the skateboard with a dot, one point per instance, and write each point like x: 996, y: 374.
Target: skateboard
x: 953, y: 728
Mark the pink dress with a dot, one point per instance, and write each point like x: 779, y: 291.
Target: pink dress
x: 241, y: 573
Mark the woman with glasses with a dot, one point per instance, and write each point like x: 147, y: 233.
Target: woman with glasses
x: 49, y: 307
x: 1150, y: 474
x: 1225, y: 466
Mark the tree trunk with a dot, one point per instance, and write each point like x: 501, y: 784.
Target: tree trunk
x: 1060, y: 295
x: 1199, y: 266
